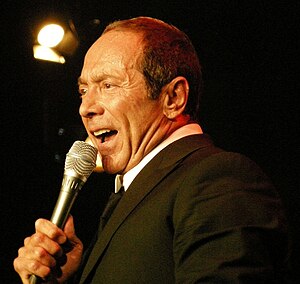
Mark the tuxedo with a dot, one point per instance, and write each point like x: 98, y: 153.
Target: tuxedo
x: 194, y: 214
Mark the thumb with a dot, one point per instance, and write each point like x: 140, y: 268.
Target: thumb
x: 73, y: 243
x: 69, y: 230
x: 73, y: 250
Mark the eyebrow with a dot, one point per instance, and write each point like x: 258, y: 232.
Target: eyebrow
x: 95, y: 76
x: 79, y: 80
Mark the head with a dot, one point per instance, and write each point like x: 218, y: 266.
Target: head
x: 167, y: 53
x: 140, y: 82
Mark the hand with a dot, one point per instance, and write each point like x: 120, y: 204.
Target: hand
x: 50, y: 253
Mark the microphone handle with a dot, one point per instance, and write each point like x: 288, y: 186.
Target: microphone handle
x: 68, y: 193
x: 70, y: 187
x: 34, y: 279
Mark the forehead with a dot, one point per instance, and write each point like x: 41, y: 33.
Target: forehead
x: 115, y: 48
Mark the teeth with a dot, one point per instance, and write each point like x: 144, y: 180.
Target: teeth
x: 101, y: 131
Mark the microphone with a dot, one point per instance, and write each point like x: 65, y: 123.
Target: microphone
x: 79, y: 164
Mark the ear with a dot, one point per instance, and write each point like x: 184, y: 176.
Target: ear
x: 175, y: 98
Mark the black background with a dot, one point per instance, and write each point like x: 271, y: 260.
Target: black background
x: 248, y: 53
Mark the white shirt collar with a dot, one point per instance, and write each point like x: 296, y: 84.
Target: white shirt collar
x: 186, y: 130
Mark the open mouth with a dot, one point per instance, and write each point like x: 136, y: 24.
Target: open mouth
x: 105, y: 134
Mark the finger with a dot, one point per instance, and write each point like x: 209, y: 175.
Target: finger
x: 40, y: 243
x: 25, y: 268
x: 69, y: 230
x: 38, y: 254
x: 51, y: 230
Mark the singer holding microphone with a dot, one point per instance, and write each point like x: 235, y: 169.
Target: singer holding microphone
x: 190, y: 212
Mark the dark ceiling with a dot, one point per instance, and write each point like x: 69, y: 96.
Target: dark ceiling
x: 247, y: 50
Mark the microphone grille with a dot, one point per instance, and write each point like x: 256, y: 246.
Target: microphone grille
x: 81, y: 159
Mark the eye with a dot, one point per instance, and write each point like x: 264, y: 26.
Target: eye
x: 107, y: 85
x: 82, y: 91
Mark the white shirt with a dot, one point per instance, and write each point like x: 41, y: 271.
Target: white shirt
x: 186, y: 130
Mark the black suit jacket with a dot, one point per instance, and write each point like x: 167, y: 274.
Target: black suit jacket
x: 194, y: 214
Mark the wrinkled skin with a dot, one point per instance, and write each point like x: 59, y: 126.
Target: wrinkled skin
x: 50, y: 253
x: 115, y: 99
x: 123, y: 123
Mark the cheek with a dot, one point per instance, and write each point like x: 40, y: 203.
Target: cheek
x: 84, y: 121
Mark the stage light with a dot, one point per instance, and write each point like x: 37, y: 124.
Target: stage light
x: 55, y: 41
x: 48, y: 54
x: 50, y: 35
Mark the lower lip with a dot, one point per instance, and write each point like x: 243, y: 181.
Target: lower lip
x: 107, y: 145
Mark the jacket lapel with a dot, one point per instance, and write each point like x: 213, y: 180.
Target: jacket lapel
x: 151, y: 175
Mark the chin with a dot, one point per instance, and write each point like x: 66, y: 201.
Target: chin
x: 109, y: 166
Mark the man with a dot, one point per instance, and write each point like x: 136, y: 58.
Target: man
x: 191, y: 212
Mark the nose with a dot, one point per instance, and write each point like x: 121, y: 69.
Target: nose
x: 90, y: 104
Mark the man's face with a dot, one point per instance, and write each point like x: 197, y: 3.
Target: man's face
x: 122, y: 122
